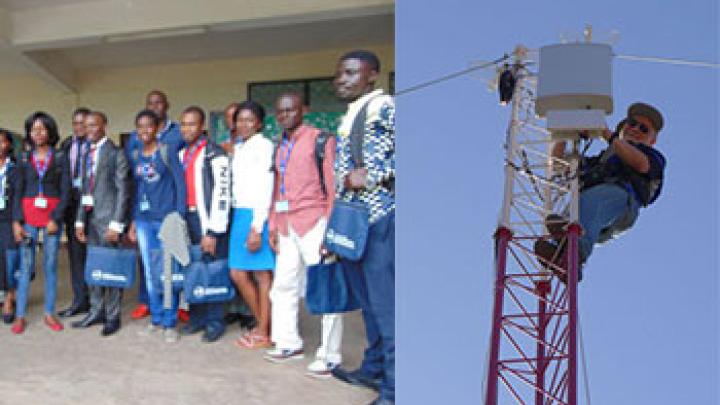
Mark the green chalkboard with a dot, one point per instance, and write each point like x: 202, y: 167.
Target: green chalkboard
x: 327, y: 121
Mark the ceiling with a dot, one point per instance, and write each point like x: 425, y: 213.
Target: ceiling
x: 210, y: 45
x: 14, y: 5
x: 54, y: 39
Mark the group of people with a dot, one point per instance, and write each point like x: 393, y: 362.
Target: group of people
x: 261, y: 205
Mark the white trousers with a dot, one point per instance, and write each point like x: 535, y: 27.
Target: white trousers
x: 295, y: 253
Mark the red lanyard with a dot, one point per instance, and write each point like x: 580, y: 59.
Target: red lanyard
x: 192, y: 152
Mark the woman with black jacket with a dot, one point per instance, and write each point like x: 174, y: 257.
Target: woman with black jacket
x: 8, y: 247
x: 41, y: 195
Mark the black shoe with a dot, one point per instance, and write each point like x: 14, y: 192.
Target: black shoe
x: 74, y: 309
x: 247, y: 321
x: 88, y: 321
x: 190, y: 329
x: 231, y: 317
x: 382, y: 401
x: 110, y: 328
x: 8, y: 318
x: 356, y: 377
x: 212, y: 335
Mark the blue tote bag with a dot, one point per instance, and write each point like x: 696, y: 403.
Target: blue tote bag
x: 328, y: 289
x: 110, y: 267
x: 207, y: 280
x: 347, y: 230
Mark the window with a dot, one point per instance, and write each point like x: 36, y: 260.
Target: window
x: 325, y: 109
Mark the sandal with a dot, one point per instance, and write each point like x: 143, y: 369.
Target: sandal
x: 253, y: 341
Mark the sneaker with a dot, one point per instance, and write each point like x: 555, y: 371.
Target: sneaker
x: 171, y: 335
x: 278, y: 355
x: 149, y: 330
x: 321, y: 368
x: 140, y: 312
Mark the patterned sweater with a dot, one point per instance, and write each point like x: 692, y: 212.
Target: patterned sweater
x: 378, y: 154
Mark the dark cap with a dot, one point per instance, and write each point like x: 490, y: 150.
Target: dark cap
x: 648, y: 111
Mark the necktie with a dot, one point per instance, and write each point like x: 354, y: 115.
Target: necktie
x: 76, y: 154
x: 91, y: 168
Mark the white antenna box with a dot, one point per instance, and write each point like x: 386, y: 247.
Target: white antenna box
x: 575, y: 88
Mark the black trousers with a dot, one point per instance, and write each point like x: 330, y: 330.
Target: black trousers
x: 76, y: 253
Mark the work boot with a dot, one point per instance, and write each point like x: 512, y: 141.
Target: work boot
x: 552, y: 256
x: 556, y: 226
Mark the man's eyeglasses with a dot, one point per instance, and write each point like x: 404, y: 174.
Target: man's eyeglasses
x: 632, y: 122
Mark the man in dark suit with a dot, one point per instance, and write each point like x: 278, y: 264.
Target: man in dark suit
x: 74, y: 147
x: 103, y: 214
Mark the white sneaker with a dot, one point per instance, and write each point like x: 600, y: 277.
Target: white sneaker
x: 149, y: 330
x: 320, y: 368
x: 278, y: 355
x: 171, y: 335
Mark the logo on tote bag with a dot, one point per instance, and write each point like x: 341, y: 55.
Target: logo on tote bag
x: 99, y: 275
x: 200, y: 292
x: 340, y: 240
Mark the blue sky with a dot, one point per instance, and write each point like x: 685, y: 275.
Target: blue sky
x: 649, y: 301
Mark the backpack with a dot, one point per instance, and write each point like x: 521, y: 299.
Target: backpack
x: 357, y: 133
x: 163, y: 154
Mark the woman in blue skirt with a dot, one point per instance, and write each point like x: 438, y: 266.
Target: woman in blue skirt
x: 251, y: 258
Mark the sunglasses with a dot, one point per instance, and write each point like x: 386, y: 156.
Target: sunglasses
x: 632, y: 123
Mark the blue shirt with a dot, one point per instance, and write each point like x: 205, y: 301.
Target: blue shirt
x: 160, y: 188
x: 644, y: 187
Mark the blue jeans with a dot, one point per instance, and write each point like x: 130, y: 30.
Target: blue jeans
x: 27, y: 263
x: 605, y: 211
x: 142, y: 296
x: 147, y: 235
x: 373, y: 285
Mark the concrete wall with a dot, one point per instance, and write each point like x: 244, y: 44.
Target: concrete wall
x: 120, y: 92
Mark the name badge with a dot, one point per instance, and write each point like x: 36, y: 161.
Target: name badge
x: 41, y: 202
x: 77, y: 183
x: 144, y: 206
x: 3, y: 204
x: 282, y: 206
x: 87, y: 200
